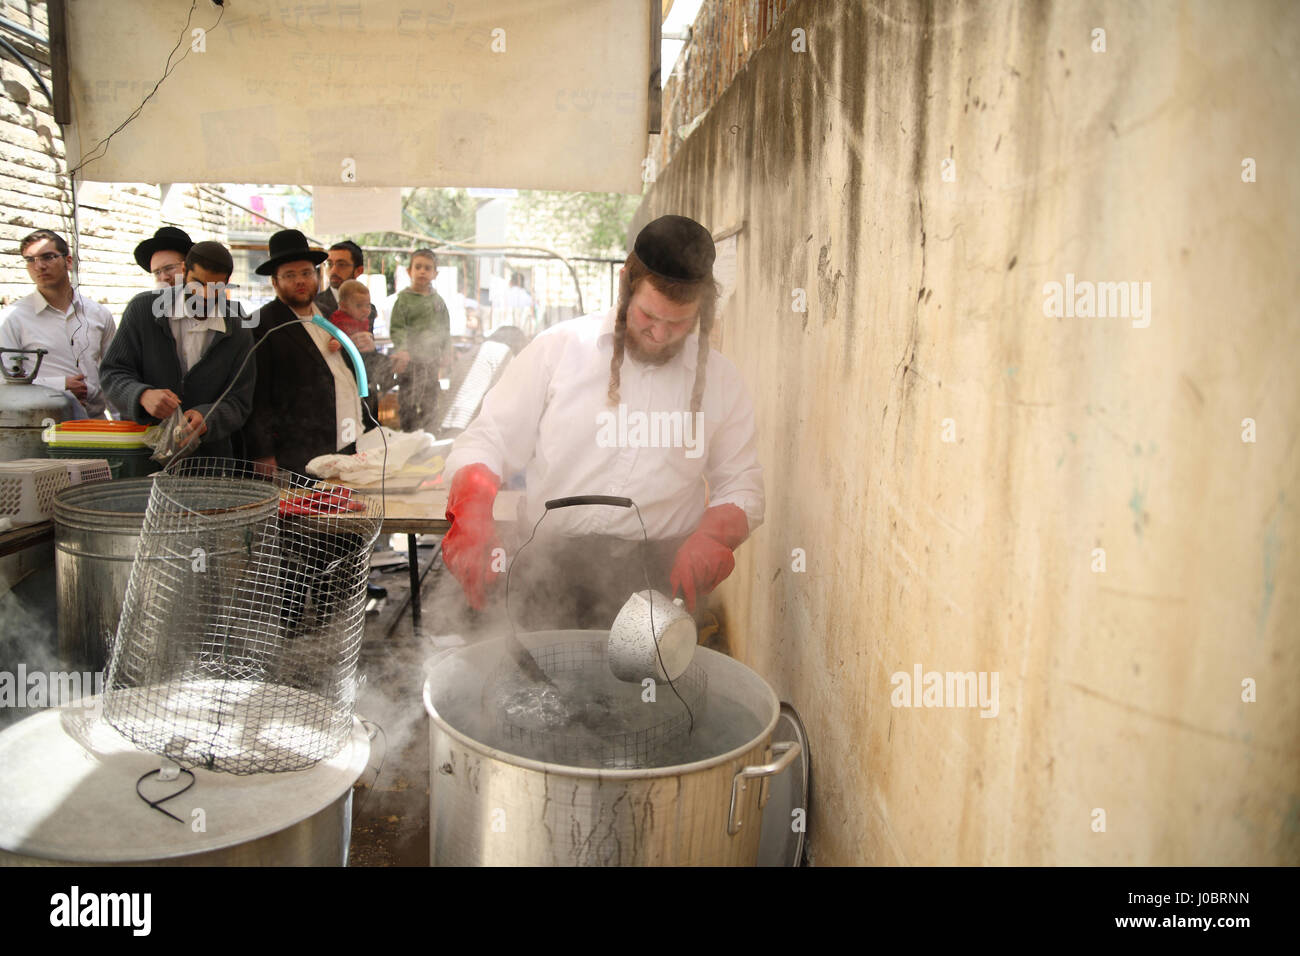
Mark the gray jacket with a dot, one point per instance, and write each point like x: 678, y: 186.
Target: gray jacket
x: 143, y: 356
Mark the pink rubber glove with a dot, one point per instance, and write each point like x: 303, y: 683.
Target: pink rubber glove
x: 467, y: 546
x: 705, y: 558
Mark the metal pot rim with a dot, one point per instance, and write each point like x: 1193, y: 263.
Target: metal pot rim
x: 333, y: 779
x: 760, y: 739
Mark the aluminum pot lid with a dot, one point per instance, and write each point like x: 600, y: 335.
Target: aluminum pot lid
x: 68, y: 794
x: 785, y: 817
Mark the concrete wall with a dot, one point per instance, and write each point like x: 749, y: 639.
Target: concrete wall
x: 36, y: 193
x: 1119, y: 690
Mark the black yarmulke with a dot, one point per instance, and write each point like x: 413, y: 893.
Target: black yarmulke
x: 217, y: 254
x: 675, y: 247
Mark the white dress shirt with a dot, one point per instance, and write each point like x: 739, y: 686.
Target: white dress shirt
x: 549, y: 416
x: 192, y: 335
x: 347, y: 402
x: 75, y: 339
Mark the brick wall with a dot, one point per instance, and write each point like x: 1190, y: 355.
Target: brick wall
x: 726, y: 33
x: 35, y: 191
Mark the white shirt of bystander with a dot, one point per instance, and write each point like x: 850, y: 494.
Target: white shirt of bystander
x: 75, y: 340
x: 347, y: 402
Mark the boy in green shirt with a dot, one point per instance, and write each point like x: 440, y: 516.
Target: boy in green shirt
x: 420, y: 328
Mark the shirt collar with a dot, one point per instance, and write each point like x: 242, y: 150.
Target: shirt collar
x: 605, y: 340
x: 174, y: 296
x: 40, y: 304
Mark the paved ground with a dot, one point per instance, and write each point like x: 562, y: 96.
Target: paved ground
x: 391, y: 801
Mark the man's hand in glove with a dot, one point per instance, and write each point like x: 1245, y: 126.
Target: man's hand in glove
x: 705, y: 558
x: 467, y: 546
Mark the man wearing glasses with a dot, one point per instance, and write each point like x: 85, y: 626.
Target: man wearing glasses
x: 73, y: 330
x: 346, y: 261
x: 163, y: 256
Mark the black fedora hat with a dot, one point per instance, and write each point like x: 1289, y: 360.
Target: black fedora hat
x: 290, y: 245
x: 168, y: 237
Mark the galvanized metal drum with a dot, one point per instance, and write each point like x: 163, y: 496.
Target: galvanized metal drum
x: 96, y: 536
x: 68, y: 797
x: 490, y: 806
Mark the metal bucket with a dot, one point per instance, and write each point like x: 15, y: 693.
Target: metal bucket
x: 490, y: 807
x: 96, y: 535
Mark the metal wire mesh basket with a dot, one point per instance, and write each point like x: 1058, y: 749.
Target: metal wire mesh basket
x: 587, y: 717
x: 243, y: 619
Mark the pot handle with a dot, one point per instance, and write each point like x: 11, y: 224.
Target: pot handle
x: 588, y: 500
x: 785, y: 752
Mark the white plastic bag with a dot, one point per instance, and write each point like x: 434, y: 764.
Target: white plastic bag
x: 369, y: 463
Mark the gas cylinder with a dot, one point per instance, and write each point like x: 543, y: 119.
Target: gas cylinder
x: 27, y: 408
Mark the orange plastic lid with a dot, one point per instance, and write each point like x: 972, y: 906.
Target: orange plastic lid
x: 101, y: 426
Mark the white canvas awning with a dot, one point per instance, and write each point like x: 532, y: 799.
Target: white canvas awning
x: 531, y: 94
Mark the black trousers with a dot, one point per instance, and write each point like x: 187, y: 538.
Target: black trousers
x: 584, y: 582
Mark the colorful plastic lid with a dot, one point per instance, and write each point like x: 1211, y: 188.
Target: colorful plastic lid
x: 101, y: 425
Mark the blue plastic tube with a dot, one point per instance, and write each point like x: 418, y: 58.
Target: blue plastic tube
x: 363, y: 384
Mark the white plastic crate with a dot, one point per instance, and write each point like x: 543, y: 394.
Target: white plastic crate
x: 84, y: 470
x: 27, y: 489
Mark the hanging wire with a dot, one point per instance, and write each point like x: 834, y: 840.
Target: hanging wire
x: 645, y: 567
x: 100, y: 149
x: 365, y: 410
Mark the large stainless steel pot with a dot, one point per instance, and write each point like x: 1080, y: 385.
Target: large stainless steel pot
x: 68, y: 798
x: 96, y: 535
x: 491, y: 807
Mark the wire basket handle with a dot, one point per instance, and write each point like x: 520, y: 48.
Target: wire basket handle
x: 520, y: 653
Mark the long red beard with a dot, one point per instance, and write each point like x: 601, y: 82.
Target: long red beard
x: 632, y: 343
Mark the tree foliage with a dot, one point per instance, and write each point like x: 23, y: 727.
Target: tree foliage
x: 597, y: 221
x: 442, y: 213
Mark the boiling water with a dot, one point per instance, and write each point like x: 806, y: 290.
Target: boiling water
x: 590, y: 701
x: 567, y: 706
x: 581, y: 717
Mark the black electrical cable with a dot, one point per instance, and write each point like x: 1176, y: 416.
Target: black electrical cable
x: 17, y: 55
x: 157, y: 804
x: 102, y: 146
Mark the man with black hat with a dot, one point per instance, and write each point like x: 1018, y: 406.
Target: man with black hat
x: 630, y: 403
x: 306, y: 402
x: 182, y: 346
x: 163, y: 255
